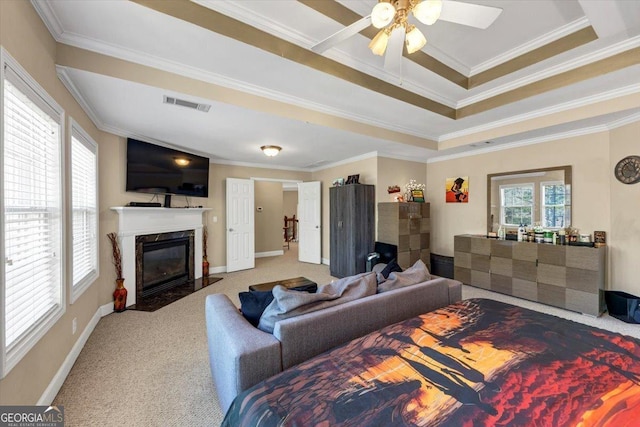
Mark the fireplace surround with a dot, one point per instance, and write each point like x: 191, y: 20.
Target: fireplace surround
x: 149, y: 223
x: 163, y: 261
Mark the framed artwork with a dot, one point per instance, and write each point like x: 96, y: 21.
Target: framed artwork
x: 457, y: 189
x: 338, y: 182
x: 417, y: 196
x: 353, y: 179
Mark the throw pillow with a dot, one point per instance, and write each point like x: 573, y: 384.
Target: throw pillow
x: 417, y: 273
x: 253, y: 303
x: 287, y: 303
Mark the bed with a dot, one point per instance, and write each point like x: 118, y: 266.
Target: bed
x: 477, y: 362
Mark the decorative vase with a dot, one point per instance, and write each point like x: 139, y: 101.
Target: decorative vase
x: 120, y: 296
x: 205, y: 267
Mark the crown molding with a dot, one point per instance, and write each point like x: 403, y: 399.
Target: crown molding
x: 536, y: 43
x: 49, y: 17
x: 346, y: 161
x: 71, y: 87
x: 624, y: 121
x: 577, y: 103
x: 258, y: 165
x: 237, y: 11
x: 523, y: 143
x: 405, y: 158
x: 568, y: 65
x: 142, y: 58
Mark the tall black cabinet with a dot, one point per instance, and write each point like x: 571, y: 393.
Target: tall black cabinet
x: 352, y: 228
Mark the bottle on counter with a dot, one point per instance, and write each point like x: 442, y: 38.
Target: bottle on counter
x: 562, y: 237
x: 501, y: 233
x: 521, y: 233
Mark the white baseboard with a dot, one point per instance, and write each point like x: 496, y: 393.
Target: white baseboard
x: 106, y: 309
x: 213, y: 270
x: 325, y: 261
x: 58, y: 379
x: 268, y: 254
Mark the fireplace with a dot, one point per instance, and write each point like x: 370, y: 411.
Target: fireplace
x: 163, y: 261
x: 135, y: 222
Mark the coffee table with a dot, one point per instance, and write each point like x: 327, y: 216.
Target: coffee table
x: 296, y: 282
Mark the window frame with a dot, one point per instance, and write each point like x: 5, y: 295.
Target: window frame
x: 502, y: 187
x: 543, y: 205
x: 9, y: 358
x: 77, y: 289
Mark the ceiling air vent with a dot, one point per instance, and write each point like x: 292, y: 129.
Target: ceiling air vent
x: 185, y: 103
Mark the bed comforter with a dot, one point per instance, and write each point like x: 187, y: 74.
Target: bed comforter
x: 474, y: 363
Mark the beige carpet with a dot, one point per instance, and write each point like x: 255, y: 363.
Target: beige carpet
x: 151, y: 369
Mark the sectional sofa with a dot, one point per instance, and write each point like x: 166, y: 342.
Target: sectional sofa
x: 242, y: 355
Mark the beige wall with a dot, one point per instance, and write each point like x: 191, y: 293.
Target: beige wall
x: 25, y: 37
x: 112, y: 194
x: 594, y: 195
x: 368, y: 170
x: 623, y: 239
x: 269, y: 221
x: 397, y: 172
x: 289, y: 204
x: 217, y: 193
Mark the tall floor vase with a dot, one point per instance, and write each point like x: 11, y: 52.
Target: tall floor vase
x: 120, y: 296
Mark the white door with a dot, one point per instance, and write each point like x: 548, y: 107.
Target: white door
x: 240, y: 224
x: 309, y: 220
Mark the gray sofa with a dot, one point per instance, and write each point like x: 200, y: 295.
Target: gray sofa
x: 241, y: 355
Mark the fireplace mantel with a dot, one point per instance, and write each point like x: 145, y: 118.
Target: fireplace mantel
x: 140, y: 221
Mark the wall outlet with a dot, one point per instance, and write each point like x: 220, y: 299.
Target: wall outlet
x: 74, y: 325
x: 215, y: 219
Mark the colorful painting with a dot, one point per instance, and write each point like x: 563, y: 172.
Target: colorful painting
x: 474, y: 363
x: 457, y: 189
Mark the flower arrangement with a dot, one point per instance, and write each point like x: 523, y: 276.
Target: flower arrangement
x: 117, y: 255
x: 413, y: 185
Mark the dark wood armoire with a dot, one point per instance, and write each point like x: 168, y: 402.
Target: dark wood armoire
x: 352, y: 228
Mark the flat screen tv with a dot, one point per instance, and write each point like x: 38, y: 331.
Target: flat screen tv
x: 160, y: 170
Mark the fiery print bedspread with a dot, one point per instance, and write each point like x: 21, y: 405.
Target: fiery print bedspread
x: 475, y: 363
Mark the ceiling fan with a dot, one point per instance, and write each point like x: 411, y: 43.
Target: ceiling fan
x: 391, y: 17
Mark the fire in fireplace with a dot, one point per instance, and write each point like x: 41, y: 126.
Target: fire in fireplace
x: 163, y: 261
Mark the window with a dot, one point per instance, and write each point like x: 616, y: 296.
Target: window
x: 553, y: 204
x: 32, y: 220
x: 84, y: 205
x: 516, y: 204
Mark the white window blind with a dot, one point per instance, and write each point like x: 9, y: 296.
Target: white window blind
x: 32, y: 219
x: 84, y: 201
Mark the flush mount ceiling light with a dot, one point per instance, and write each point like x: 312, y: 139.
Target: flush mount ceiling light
x: 182, y: 161
x: 270, y: 150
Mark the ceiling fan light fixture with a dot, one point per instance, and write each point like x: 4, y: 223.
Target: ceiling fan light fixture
x: 270, y: 150
x: 414, y: 39
x: 428, y: 11
x: 379, y: 43
x: 382, y: 14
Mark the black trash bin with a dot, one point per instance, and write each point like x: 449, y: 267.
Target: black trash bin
x: 623, y: 306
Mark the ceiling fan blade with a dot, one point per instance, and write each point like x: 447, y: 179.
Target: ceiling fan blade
x: 393, y: 56
x: 473, y: 15
x: 342, y: 35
